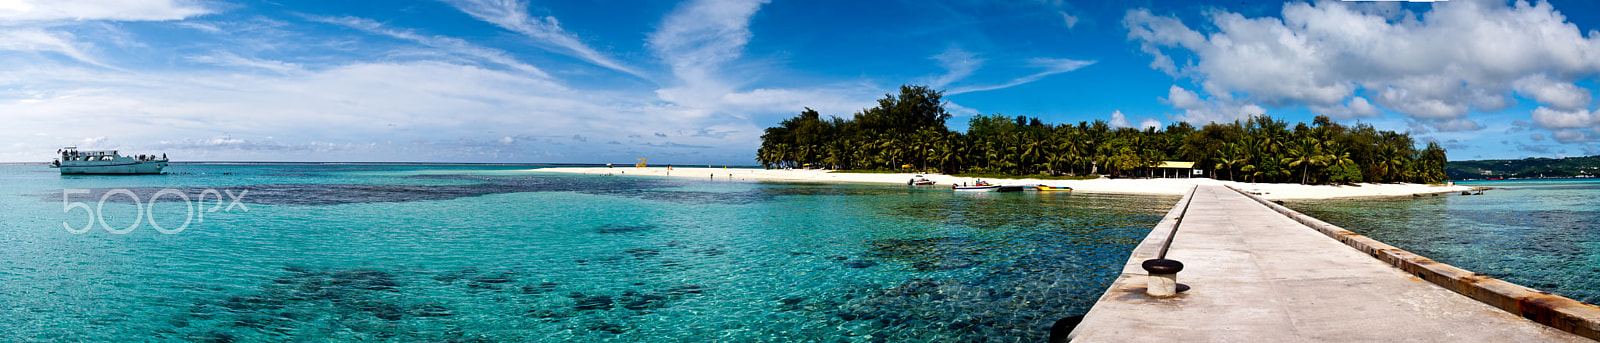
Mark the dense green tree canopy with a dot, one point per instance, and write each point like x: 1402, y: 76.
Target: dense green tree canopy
x: 908, y: 130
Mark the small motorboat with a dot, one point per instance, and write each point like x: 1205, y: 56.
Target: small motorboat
x: 977, y: 186
x: 985, y: 188
x: 1043, y: 188
x: 919, y: 181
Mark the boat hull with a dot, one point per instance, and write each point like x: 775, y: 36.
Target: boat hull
x: 1054, y: 189
x: 150, y: 167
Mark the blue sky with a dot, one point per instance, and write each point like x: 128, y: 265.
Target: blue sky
x: 695, y: 82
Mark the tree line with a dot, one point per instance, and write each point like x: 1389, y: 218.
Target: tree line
x: 907, y: 132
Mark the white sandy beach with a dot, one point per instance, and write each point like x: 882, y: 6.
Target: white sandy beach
x: 1134, y: 186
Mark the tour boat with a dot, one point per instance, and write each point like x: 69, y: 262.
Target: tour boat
x: 1043, y: 188
x: 74, y: 161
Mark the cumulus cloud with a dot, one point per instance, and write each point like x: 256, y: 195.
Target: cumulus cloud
x: 1121, y: 120
x: 1556, y: 94
x: 1357, y: 107
x: 1573, y: 136
x: 1435, y: 67
x: 1557, y: 119
x: 1217, y: 109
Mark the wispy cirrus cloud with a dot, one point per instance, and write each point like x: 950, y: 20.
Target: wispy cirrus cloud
x: 1050, y: 66
x: 231, y: 59
x: 449, y: 44
x: 26, y: 25
x: 957, y: 63
x: 79, y: 10
x: 513, y: 15
x: 699, y: 37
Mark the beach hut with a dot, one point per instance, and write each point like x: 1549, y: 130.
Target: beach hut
x: 1176, y: 169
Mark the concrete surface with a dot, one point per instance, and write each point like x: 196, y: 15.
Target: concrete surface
x: 1256, y: 275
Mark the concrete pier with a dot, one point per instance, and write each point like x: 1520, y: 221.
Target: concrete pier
x: 1256, y: 275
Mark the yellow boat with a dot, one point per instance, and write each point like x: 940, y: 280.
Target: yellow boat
x: 1043, y: 188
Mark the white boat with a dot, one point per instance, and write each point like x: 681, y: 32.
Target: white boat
x: 989, y: 188
x: 74, y: 161
x: 978, y: 186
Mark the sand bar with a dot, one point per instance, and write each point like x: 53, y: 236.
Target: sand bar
x: 1103, y: 185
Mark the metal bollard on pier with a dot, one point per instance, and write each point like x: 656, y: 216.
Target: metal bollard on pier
x: 1163, y: 280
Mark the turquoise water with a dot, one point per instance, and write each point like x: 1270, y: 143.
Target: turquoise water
x: 1543, y: 234
x: 491, y: 253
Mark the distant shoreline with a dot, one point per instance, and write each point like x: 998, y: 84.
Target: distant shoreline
x: 1123, y: 186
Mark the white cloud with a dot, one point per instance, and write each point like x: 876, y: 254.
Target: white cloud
x: 346, y: 111
x: 699, y: 37
x: 230, y: 59
x: 1556, y: 119
x: 1436, y: 67
x: 1559, y: 95
x: 25, y: 24
x: 513, y: 15
x: 1121, y: 120
x: 121, y: 10
x: 451, y: 45
x: 701, y: 42
x: 1220, y: 109
x: 959, y: 111
x: 1069, y: 19
x: 38, y: 39
x: 1357, y: 107
x: 958, y: 65
x: 1572, y: 136
x: 1051, y: 66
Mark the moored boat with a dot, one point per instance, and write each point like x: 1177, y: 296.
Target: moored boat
x: 1043, y: 188
x: 977, y: 186
x: 919, y: 180
x: 74, y: 161
x: 988, y: 188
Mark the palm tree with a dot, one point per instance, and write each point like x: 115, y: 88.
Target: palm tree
x: 1389, y: 163
x: 1305, y: 152
x: 1339, y: 157
x: 1230, y: 156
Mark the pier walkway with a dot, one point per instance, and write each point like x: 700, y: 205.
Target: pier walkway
x: 1256, y: 275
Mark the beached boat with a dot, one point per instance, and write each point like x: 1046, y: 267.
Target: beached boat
x: 1043, y: 188
x: 74, y: 161
x: 919, y: 181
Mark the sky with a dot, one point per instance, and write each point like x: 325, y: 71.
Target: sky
x: 696, y: 81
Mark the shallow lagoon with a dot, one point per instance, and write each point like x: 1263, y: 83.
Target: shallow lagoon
x: 489, y: 253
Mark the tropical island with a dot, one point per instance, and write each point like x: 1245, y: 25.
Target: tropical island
x: 905, y: 137
x: 907, y: 133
